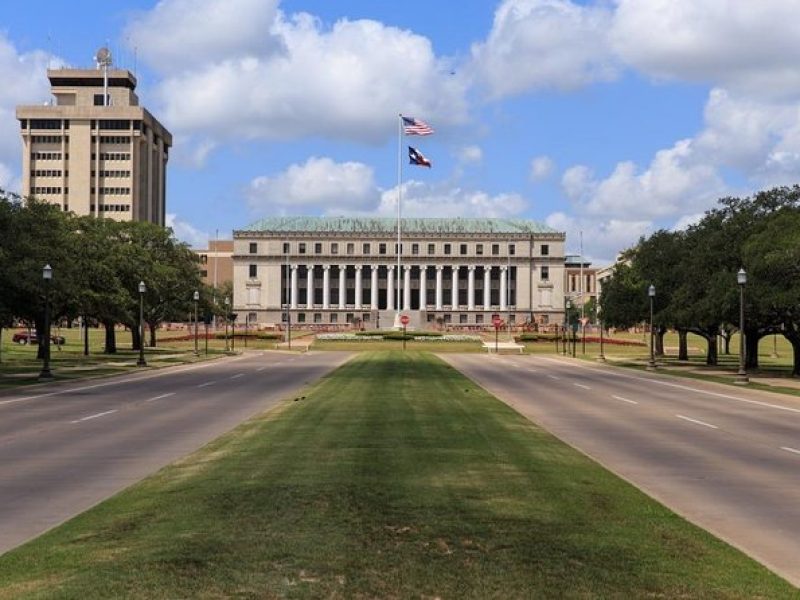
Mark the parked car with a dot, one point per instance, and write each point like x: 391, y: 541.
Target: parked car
x: 23, y: 338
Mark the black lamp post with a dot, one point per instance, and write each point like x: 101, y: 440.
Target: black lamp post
x: 602, y: 356
x: 142, y: 289
x: 47, y: 275
x: 567, y: 307
x: 741, y: 376
x: 226, y: 302
x: 651, y: 365
x: 195, y: 297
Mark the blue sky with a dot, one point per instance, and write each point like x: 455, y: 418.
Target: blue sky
x: 610, y: 117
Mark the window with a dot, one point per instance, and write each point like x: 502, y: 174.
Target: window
x: 479, y: 249
x: 431, y: 248
x: 286, y: 247
x: 252, y: 317
x: 318, y: 248
x: 317, y: 317
x: 301, y: 248
x: 414, y: 248
x: 203, y: 273
x: 349, y: 317
x: 401, y: 248
x: 253, y: 247
x: 545, y: 250
x: 545, y: 273
x: 204, y: 259
x: 45, y: 124
x: 334, y: 248
x: 495, y: 249
x: 381, y: 248
x: 447, y: 248
x: 301, y: 317
x: 479, y: 319
x: 512, y: 249
x: 462, y: 319
x: 365, y: 249
x: 253, y: 270
x: 118, y: 124
x: 462, y: 249
x: 351, y: 248
x: 334, y: 318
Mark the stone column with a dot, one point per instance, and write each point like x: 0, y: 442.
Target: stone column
x: 310, y: 287
x: 471, y: 288
x: 342, y: 288
x: 374, y: 288
x: 454, y: 299
x: 503, y: 287
x: 439, y: 269
x: 358, y: 287
x: 407, y: 287
x: 390, y: 287
x: 326, y: 287
x: 294, y: 287
x: 487, y: 288
x: 423, y: 288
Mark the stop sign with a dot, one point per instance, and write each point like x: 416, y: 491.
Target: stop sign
x: 404, y: 319
x: 497, y: 323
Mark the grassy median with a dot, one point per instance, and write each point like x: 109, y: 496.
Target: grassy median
x: 393, y: 477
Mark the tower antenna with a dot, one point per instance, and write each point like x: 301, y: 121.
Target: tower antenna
x: 103, y: 60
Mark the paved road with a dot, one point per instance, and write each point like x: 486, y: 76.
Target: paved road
x: 64, y: 449
x: 728, y: 459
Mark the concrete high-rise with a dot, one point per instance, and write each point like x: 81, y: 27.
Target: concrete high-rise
x: 92, y: 152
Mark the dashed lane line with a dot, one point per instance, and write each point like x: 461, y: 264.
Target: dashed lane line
x: 206, y: 384
x: 95, y: 416
x: 696, y: 421
x: 792, y: 450
x: 237, y: 376
x: 160, y: 397
x: 580, y: 385
x: 621, y: 399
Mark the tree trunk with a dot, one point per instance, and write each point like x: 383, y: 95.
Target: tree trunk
x: 658, y: 346
x: 111, y: 337
x: 711, y: 356
x: 39, y: 326
x: 726, y: 337
x: 152, y: 328
x: 1, y: 343
x: 751, y: 339
x: 136, y: 338
x: 683, y: 346
x: 794, y: 340
x: 85, y: 337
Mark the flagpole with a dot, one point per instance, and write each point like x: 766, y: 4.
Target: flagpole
x: 399, y: 213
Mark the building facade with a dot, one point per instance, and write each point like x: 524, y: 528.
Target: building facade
x: 95, y: 153
x: 580, y: 283
x: 335, y: 271
x: 216, y: 262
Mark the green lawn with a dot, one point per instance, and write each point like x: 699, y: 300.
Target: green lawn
x: 395, y: 477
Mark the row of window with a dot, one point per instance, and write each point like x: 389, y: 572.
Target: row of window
x: 112, y: 139
x: 112, y: 207
x: 544, y: 271
x: 47, y: 156
x: 367, y: 247
x: 48, y: 173
x: 48, y: 139
x: 113, y: 191
x: 48, y: 190
x: 110, y: 124
x: 112, y: 156
x: 45, y: 123
x: 447, y: 318
x: 112, y: 173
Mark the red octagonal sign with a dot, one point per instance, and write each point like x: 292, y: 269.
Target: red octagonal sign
x: 404, y: 319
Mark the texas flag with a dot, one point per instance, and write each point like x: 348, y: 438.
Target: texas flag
x: 415, y: 157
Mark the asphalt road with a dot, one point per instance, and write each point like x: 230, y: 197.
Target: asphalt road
x: 64, y: 449
x: 727, y: 459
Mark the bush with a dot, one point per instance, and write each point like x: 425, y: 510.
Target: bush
x: 251, y: 335
x: 398, y: 335
x: 536, y: 337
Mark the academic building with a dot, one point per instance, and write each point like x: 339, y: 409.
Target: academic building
x: 93, y: 150
x: 331, y: 271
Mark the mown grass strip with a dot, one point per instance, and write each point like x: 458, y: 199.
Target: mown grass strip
x: 394, y: 477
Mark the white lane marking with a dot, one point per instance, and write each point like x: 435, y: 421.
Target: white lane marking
x: 792, y: 450
x: 158, y: 373
x: 553, y: 377
x: 258, y: 370
x: 102, y: 414
x: 533, y: 370
x: 703, y: 423
x: 674, y: 385
x: 206, y: 384
x: 237, y: 375
x: 621, y: 399
x: 160, y: 397
x: 580, y: 385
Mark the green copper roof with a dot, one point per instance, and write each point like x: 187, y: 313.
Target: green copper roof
x: 389, y: 225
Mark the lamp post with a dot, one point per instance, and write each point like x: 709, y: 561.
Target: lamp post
x: 142, y: 289
x: 651, y: 365
x: 47, y: 275
x: 226, y: 302
x: 741, y: 376
x: 602, y: 356
x: 196, y: 297
x: 567, y: 307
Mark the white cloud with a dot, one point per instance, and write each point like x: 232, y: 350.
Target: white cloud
x: 186, y: 232
x: 541, y: 168
x: 602, y: 239
x: 320, y: 184
x: 537, y: 44
x: 345, y: 82
x: 470, y: 154
x: 741, y: 45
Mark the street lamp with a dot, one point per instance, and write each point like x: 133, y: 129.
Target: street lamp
x: 651, y: 292
x: 142, y: 289
x: 196, y: 297
x: 741, y: 376
x: 602, y: 356
x: 47, y: 275
x: 226, y: 302
x: 567, y: 307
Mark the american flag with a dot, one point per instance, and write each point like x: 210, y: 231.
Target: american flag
x: 415, y: 157
x: 412, y: 126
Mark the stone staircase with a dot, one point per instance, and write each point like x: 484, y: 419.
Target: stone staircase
x: 416, y: 319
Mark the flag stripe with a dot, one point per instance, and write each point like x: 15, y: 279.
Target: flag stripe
x: 414, y: 126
